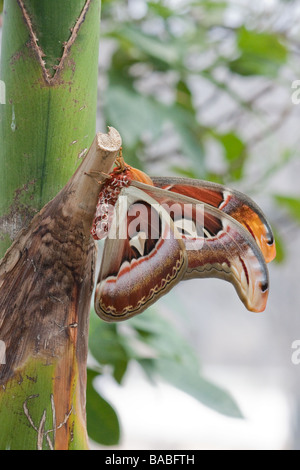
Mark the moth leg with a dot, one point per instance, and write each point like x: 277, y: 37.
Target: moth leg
x: 120, y: 163
x: 94, y: 173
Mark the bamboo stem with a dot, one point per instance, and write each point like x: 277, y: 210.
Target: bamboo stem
x: 46, y: 281
x: 49, y: 64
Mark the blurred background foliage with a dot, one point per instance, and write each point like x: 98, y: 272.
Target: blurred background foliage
x: 188, y: 84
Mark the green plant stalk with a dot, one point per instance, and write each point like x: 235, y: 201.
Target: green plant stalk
x: 49, y: 65
x: 28, y: 413
x: 46, y: 280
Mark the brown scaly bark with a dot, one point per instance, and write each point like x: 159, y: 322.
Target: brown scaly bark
x: 46, y: 282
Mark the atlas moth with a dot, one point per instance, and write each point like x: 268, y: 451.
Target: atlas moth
x: 150, y: 246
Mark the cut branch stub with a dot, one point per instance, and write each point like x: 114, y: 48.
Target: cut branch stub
x: 48, y: 260
x: 46, y: 281
x: 83, y: 187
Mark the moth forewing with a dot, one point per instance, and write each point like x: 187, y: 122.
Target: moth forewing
x: 159, y: 213
x: 138, y: 270
x: 117, y: 229
x: 230, y: 201
x: 226, y: 251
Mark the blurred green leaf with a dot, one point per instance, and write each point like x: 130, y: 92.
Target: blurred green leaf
x: 162, y: 338
x: 210, y: 5
x: 187, y: 128
x: 189, y: 381
x: 233, y: 146
x: 280, y: 246
x: 1, y: 6
x: 166, y: 54
x: 160, y: 10
x: 136, y: 116
x: 175, y: 361
x: 216, y: 178
x: 265, y: 45
x: 132, y: 113
x: 291, y: 204
x: 189, y: 135
x: 248, y: 65
x: 187, y: 172
x: 102, y: 421
x: 193, y: 47
x: 235, y: 153
x: 161, y: 351
x: 106, y: 346
x: 261, y: 54
x: 184, y: 96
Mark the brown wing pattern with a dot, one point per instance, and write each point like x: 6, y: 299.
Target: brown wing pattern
x: 181, y: 229
x: 140, y: 268
x: 219, y: 246
x: 232, y: 202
